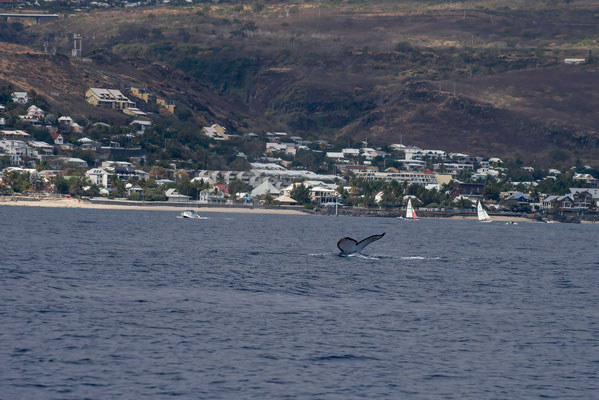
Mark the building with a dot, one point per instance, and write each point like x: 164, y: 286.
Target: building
x: 593, y: 192
x: 412, y: 165
x: 272, y: 147
x: 349, y: 153
x: 586, y: 178
x: 471, y: 190
x: 264, y: 188
x: 216, y: 132
x: 88, y: 144
x: 135, y: 112
x: 121, y: 170
x: 15, y: 135
x: 142, y: 94
x: 212, y: 196
x: 41, y: 149
x: 34, y: 116
x: 520, y: 197
x: 65, y: 122
x: 392, y: 174
x: 19, y: 97
x: 58, y: 139
x: 576, y: 202
x: 244, y: 198
x: 574, y: 61
x: 142, y: 125
x: 453, y: 168
x: 548, y: 202
x: 324, y: 195
x: 261, y: 172
x: 74, y: 161
x: 286, y: 201
x: 174, y: 196
x: 166, y: 105
x: 336, y: 156
x: 108, y: 98
x: 16, y: 147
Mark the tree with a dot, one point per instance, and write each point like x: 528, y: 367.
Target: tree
x: 78, y: 186
x: 36, y: 182
x: 301, y: 194
x: 86, y: 155
x: 61, y: 186
x: 154, y: 194
x: 268, y: 199
x: 237, y: 186
x: 240, y: 164
x: 463, y: 203
x: 491, y: 192
x: 118, y: 186
x: 157, y: 172
x: 4, y: 162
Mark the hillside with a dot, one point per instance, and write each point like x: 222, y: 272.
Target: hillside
x: 380, y: 70
x: 62, y: 81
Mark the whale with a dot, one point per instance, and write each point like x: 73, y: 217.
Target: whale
x: 349, y: 246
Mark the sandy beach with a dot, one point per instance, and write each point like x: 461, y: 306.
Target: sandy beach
x: 78, y: 203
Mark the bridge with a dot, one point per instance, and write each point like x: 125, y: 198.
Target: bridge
x: 37, y: 16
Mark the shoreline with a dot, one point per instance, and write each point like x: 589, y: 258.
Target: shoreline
x: 85, y: 204
x: 138, y: 206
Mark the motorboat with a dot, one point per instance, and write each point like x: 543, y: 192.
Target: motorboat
x: 191, y: 214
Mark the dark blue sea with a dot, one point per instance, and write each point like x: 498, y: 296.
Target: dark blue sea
x: 141, y: 305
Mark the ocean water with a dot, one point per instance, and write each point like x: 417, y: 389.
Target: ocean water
x: 139, y: 304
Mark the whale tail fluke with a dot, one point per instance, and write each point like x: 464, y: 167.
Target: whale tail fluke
x: 348, y: 245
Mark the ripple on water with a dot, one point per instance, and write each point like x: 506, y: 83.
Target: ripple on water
x: 136, y: 304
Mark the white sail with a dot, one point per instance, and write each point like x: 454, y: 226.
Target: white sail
x: 410, y: 213
x: 482, y: 214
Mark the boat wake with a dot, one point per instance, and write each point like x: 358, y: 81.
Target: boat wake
x: 374, y: 257
x: 353, y: 255
x: 362, y: 256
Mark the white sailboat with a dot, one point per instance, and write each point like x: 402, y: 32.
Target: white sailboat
x: 482, y: 214
x: 410, y: 213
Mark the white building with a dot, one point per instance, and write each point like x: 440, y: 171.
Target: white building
x: 16, y: 147
x: 65, y: 121
x: 336, y: 156
x: 41, y: 149
x: 174, y: 196
x: 574, y: 61
x: 422, y: 178
x: 273, y: 147
x: 121, y: 170
x: 77, y: 162
x: 19, y: 97
x: 215, y: 132
x: 34, y: 116
x: 265, y: 187
x: 350, y: 152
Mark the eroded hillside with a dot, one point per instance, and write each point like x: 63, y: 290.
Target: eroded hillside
x: 482, y: 76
